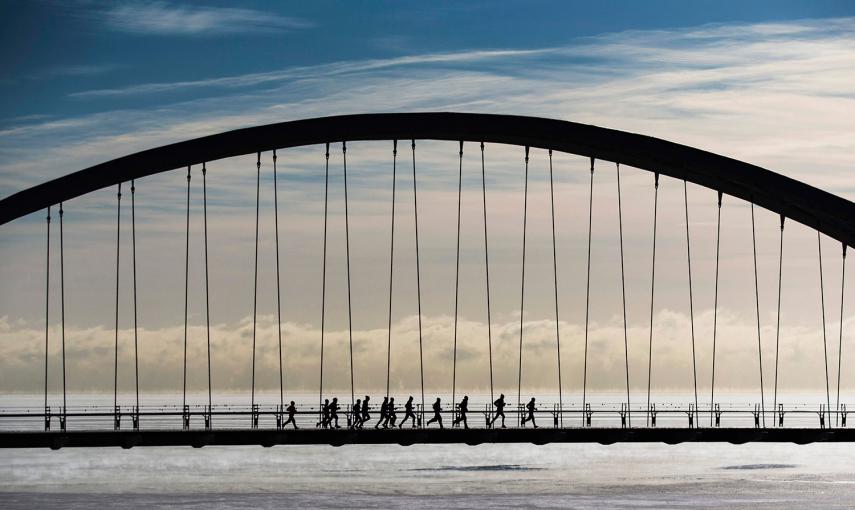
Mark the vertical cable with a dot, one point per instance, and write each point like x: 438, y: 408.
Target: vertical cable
x: 840, y: 340
x: 391, y: 266
x: 623, y: 295
x: 555, y: 287
x: 715, y: 306
x: 418, y: 280
x: 522, y: 279
x: 347, y: 254
x: 186, y: 290
x: 588, y: 292
x: 324, y: 280
x: 757, y: 303
x: 134, y: 265
x: 457, y: 274
x: 778, y: 321
x: 255, y: 272
x: 487, y: 271
x: 116, y: 349
x: 652, y: 294
x: 278, y: 290
x: 207, y: 293
x: 824, y: 342
x: 62, y: 304
x: 691, y: 299
x: 47, y: 303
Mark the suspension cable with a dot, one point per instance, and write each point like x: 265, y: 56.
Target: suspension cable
x: 757, y: 303
x: 457, y: 275
x: 588, y: 292
x: 623, y: 296
x: 555, y: 287
x: 116, y: 349
x: 278, y: 289
x: 522, y: 280
x: 824, y: 343
x: 487, y: 274
x: 418, y: 280
x: 134, y: 267
x: 255, y: 273
x: 47, y: 304
x: 391, y: 266
x: 778, y: 321
x: 652, y: 294
x: 324, y: 280
x: 207, y: 293
x: 715, y: 305
x: 691, y: 299
x: 62, y: 304
x: 347, y: 255
x: 186, y: 290
x: 840, y: 340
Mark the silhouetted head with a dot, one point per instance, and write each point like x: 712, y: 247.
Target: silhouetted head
x: 367, y: 398
x: 385, y: 399
x: 358, y: 401
x: 292, y: 402
x: 335, y: 399
x: 326, y: 401
x: 532, y: 399
x: 410, y: 399
x: 392, y: 400
x: 437, y: 400
x: 466, y: 397
x: 501, y: 395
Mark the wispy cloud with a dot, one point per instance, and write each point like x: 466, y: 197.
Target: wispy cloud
x: 312, y: 72
x: 164, y: 18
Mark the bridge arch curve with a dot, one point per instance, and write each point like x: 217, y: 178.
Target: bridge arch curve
x: 815, y: 208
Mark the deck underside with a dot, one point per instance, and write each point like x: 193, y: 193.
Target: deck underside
x: 271, y: 437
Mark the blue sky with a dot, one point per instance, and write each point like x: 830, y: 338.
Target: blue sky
x: 84, y: 82
x: 51, y: 50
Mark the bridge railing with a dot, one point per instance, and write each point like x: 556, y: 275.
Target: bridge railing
x: 226, y: 416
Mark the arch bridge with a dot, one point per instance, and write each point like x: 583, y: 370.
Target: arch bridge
x: 570, y: 417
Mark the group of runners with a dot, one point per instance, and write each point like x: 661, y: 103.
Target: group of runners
x: 360, y: 415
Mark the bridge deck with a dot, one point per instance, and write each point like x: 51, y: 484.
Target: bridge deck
x: 271, y: 437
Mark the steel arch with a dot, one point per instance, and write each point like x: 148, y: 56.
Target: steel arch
x: 828, y: 213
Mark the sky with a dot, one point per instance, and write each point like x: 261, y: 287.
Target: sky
x: 84, y: 82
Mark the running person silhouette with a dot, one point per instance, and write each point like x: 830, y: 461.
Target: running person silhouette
x: 500, y: 410
x: 437, y: 417
x: 356, y: 419
x: 383, y: 409
x: 408, y: 408
x: 391, y: 417
x: 325, y: 414
x: 334, y: 407
x: 365, y: 416
x: 292, y: 411
x: 462, y: 408
x: 531, y: 409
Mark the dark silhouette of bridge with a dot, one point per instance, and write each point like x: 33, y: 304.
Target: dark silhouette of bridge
x: 578, y: 419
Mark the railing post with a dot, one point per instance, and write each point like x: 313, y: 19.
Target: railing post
x: 717, y: 415
x: 135, y: 418
x: 117, y: 418
x: 780, y: 415
x: 208, y: 418
x: 588, y: 414
x: 185, y: 417
x: 47, y: 418
x: 254, y: 416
